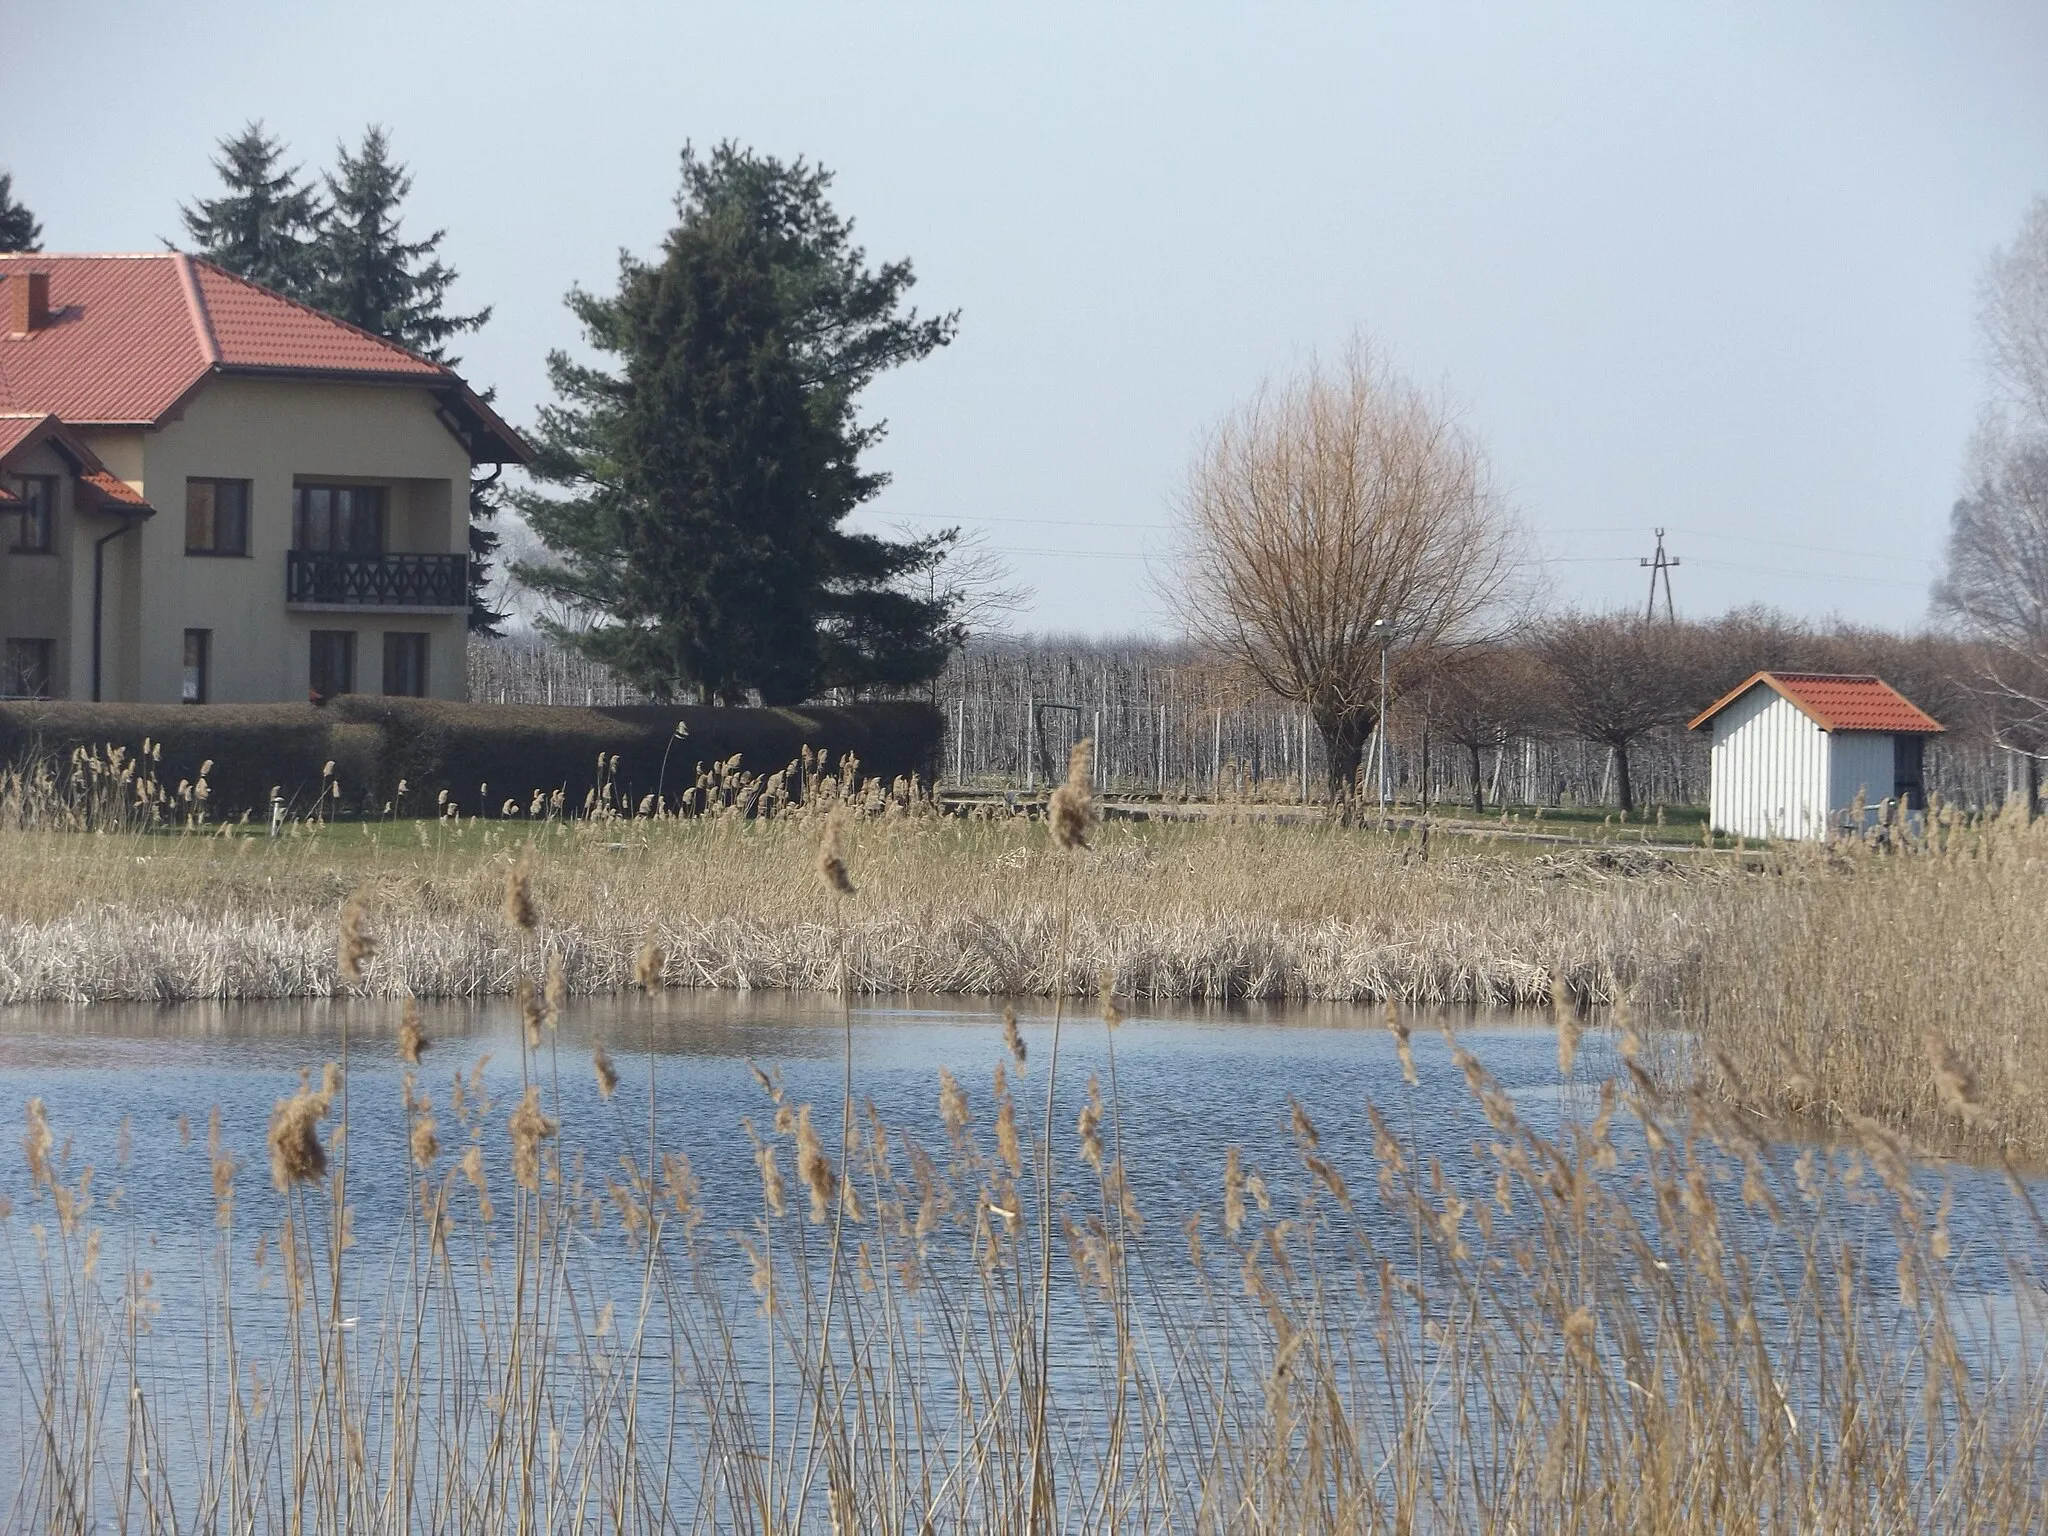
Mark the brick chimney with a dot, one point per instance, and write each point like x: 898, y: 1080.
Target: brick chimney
x: 28, y: 302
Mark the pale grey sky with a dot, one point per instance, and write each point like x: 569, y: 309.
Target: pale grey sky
x: 1709, y: 266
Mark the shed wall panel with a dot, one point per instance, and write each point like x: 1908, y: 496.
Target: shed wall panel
x: 1861, y: 764
x: 1770, y: 769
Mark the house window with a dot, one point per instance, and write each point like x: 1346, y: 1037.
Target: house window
x: 338, y: 519
x: 334, y: 664
x: 27, y: 668
x: 216, y: 517
x: 198, y: 664
x: 405, y: 666
x: 35, y: 522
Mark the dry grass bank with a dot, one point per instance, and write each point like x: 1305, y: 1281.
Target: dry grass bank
x: 1231, y: 909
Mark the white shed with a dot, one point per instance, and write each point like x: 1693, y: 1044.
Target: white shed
x: 1794, y: 750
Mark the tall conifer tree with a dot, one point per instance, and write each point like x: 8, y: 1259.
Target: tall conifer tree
x: 19, y: 230
x: 707, y: 478
x: 370, y: 275
x: 265, y: 224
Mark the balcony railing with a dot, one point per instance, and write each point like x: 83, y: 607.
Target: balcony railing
x: 319, y: 579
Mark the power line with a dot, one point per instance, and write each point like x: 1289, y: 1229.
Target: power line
x: 1827, y: 576
x: 1837, y: 550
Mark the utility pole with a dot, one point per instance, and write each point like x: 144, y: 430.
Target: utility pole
x: 1660, y: 566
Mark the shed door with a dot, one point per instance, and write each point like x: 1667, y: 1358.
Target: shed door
x: 1906, y: 781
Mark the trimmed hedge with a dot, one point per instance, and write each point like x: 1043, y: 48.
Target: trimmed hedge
x: 481, y: 754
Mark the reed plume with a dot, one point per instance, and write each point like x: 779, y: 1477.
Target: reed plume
x: 814, y: 1167
x: 832, y: 873
x: 1071, y: 810
x: 296, y: 1156
x: 412, y: 1040
x: 528, y: 1127
x: 519, y: 909
x: 357, y: 944
x: 36, y: 1143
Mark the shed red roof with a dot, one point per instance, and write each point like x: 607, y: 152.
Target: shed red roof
x: 1837, y: 702
x: 129, y: 337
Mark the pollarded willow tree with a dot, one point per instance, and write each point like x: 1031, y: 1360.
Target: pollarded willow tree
x: 1331, y: 515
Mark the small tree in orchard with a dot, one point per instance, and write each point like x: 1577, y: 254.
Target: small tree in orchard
x: 1614, y: 678
x: 706, y: 475
x: 19, y: 230
x: 1479, y: 698
x: 1341, y: 500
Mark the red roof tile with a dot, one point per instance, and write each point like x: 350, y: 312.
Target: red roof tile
x: 19, y: 428
x: 1837, y: 702
x: 119, y: 347
x: 255, y: 328
x: 125, y: 497
x: 130, y: 336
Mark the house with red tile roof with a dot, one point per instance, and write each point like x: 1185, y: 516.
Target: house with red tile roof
x: 1795, y: 754
x: 210, y: 493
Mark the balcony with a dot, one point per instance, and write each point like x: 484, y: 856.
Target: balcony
x: 433, y: 583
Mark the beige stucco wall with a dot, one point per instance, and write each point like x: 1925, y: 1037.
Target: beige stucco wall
x: 274, y: 433
x: 35, y: 595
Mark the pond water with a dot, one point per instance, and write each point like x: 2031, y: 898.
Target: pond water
x: 1190, y: 1084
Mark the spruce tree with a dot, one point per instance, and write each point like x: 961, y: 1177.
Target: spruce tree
x: 19, y: 230
x: 265, y: 224
x: 372, y: 277
x: 368, y: 274
x: 707, y: 475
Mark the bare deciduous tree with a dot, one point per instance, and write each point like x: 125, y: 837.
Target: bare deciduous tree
x: 1341, y: 499
x: 1617, y: 677
x: 1995, y: 585
x: 2012, y: 318
x: 1995, y: 588
x: 1479, y: 698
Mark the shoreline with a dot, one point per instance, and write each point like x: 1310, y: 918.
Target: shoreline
x: 116, y: 955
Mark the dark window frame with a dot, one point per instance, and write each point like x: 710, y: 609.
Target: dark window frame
x: 396, y: 662
x: 322, y: 525
x: 10, y: 671
x: 342, y: 643
x: 215, y: 551
x: 41, y: 515
x: 203, y: 693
